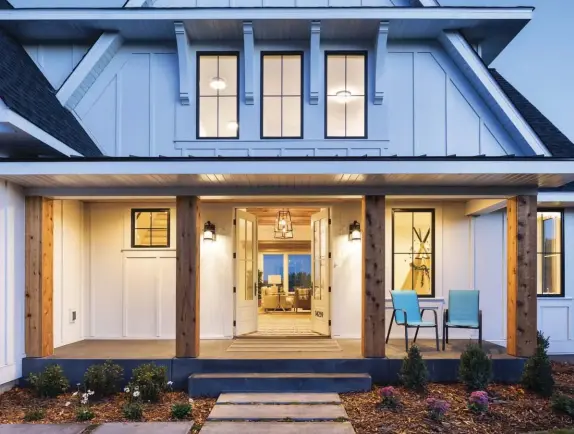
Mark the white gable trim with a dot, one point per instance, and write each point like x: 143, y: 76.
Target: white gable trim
x: 139, y: 4
x: 89, y: 69
x: 475, y: 69
x: 25, y: 125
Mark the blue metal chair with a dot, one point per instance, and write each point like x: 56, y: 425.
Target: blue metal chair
x: 463, y: 313
x: 407, y: 312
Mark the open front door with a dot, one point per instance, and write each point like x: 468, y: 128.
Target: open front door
x: 245, y: 273
x: 320, y: 312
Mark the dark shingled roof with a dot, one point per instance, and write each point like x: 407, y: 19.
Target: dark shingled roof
x: 555, y: 141
x: 4, y: 4
x: 26, y: 91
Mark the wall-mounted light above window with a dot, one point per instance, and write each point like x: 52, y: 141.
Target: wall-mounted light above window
x: 208, y: 231
x: 343, y: 96
x: 354, y: 231
x: 217, y: 83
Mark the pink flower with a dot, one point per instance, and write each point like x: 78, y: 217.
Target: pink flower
x: 387, y: 391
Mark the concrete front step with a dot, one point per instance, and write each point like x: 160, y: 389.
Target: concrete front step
x: 214, y: 384
x: 277, y: 428
x: 278, y: 412
x: 279, y: 398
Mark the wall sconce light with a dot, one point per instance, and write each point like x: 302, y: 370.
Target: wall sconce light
x: 354, y: 231
x: 208, y: 231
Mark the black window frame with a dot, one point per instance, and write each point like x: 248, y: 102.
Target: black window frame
x: 301, y: 54
x: 433, y: 248
x: 135, y: 211
x: 365, y: 54
x: 562, y: 253
x: 198, y: 97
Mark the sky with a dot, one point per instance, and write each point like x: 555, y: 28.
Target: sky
x: 539, y: 62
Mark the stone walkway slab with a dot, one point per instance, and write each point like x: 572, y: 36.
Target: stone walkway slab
x: 279, y: 398
x: 277, y: 428
x: 145, y: 428
x: 277, y: 412
x: 42, y: 429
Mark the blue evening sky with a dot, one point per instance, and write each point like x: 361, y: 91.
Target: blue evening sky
x: 540, y: 61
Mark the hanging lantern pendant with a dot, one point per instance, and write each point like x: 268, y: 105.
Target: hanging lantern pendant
x: 283, y: 225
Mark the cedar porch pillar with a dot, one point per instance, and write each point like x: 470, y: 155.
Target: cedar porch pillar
x: 373, y: 276
x: 521, y: 275
x: 187, y: 277
x: 39, y: 279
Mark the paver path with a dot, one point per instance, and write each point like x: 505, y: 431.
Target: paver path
x: 278, y: 413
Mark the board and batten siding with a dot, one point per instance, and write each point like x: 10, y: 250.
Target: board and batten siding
x: 133, y: 108
x: 12, y: 257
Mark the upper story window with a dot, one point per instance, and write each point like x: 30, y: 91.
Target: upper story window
x: 413, y: 250
x: 282, y: 90
x: 150, y: 227
x: 550, y: 255
x: 217, y: 96
x: 345, y: 93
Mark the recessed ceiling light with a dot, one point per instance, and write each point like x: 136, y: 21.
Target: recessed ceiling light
x: 217, y: 83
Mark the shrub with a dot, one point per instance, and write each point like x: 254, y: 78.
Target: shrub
x: 414, y: 373
x: 437, y: 408
x: 34, y: 415
x: 475, y: 368
x: 104, y: 379
x: 133, y: 410
x: 84, y: 414
x: 389, y: 398
x: 49, y: 383
x: 478, y: 402
x: 563, y: 404
x: 181, y: 410
x: 150, y: 380
x: 537, y: 374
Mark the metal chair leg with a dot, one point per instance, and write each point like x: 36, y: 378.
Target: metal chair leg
x: 443, y: 336
x: 416, y: 334
x: 390, y: 325
x: 436, y: 336
x: 406, y: 338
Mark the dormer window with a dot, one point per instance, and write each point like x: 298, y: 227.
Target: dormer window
x: 346, y: 83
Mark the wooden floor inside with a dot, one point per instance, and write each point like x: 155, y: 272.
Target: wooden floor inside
x: 267, y: 349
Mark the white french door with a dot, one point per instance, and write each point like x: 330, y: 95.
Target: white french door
x: 245, y: 273
x: 320, y: 301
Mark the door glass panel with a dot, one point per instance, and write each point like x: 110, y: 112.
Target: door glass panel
x: 241, y: 279
x: 249, y: 241
x: 317, y: 260
x: 242, y: 240
x: 248, y: 280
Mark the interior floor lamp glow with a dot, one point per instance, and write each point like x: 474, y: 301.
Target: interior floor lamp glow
x: 283, y: 225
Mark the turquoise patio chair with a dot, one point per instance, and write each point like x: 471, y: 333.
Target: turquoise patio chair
x: 407, y: 312
x: 463, y: 313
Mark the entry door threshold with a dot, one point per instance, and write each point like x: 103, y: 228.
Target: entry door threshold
x: 293, y: 337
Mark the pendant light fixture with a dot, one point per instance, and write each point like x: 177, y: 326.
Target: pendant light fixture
x: 283, y: 225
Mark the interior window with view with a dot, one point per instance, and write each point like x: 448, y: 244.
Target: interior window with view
x: 413, y: 255
x: 281, y: 96
x: 549, y: 248
x: 217, y: 96
x: 150, y: 228
x: 346, y: 90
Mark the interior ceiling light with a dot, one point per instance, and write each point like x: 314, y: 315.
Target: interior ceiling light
x: 283, y: 225
x: 217, y: 83
x: 343, y: 96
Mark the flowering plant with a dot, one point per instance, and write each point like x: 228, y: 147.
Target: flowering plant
x: 389, y: 398
x: 478, y: 402
x: 133, y: 410
x: 437, y: 408
x: 83, y: 410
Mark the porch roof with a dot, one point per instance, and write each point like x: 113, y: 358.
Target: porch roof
x: 317, y: 175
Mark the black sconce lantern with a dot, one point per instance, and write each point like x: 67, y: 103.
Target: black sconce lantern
x: 354, y: 231
x: 208, y: 231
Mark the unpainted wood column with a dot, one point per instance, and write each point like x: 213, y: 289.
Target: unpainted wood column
x: 521, y: 276
x: 373, y: 276
x: 39, y: 279
x: 187, y: 277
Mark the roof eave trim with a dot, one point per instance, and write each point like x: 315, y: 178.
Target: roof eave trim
x: 23, y: 124
x: 453, y: 40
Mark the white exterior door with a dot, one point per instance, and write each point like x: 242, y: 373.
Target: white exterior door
x: 245, y: 273
x: 320, y: 301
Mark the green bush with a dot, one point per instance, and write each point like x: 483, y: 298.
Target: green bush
x: 475, y: 369
x: 180, y: 410
x: 104, y: 379
x: 563, y: 404
x: 49, y: 383
x: 537, y: 374
x: 133, y: 410
x: 414, y: 373
x: 34, y: 415
x: 150, y: 380
x: 84, y: 414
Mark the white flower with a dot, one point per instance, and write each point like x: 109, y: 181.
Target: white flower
x: 127, y: 389
x: 75, y: 393
x: 85, y: 395
x: 91, y: 392
x: 136, y: 394
x: 68, y: 404
x: 78, y: 384
x: 169, y: 383
x: 137, y: 388
x: 84, y: 401
x: 190, y: 401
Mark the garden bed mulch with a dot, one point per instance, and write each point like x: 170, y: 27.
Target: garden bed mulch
x: 14, y: 404
x: 512, y: 411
